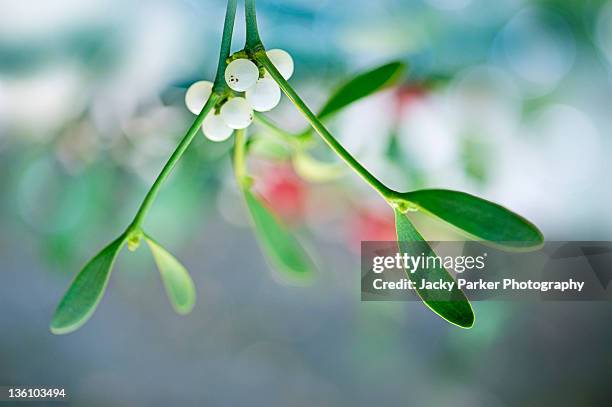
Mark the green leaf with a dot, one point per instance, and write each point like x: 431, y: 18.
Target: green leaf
x: 314, y: 170
x: 86, y: 290
x: 452, y: 305
x: 361, y: 86
x: 280, y: 246
x: 478, y: 218
x: 177, y: 281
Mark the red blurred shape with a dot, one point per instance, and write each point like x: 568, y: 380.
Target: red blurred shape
x: 285, y: 193
x: 406, y: 95
x: 371, y: 225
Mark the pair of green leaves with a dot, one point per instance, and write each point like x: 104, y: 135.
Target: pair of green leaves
x: 479, y: 219
x: 87, y: 289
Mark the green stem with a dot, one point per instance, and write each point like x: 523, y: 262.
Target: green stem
x: 174, y: 158
x: 218, y: 89
x: 253, y: 42
x: 226, y: 44
x: 316, y: 124
x: 240, y: 170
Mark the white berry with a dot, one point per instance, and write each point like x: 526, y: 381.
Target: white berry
x: 241, y: 74
x: 215, y: 129
x: 237, y: 113
x: 197, y: 95
x: 264, y: 96
x: 282, y: 61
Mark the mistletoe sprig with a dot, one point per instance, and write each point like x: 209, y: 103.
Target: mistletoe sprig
x: 249, y: 80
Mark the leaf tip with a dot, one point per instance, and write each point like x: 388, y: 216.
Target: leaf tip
x: 60, y: 328
x: 467, y: 318
x: 185, y: 308
x: 468, y: 322
x: 464, y: 317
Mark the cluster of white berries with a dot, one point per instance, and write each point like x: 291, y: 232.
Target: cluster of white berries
x: 241, y: 75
